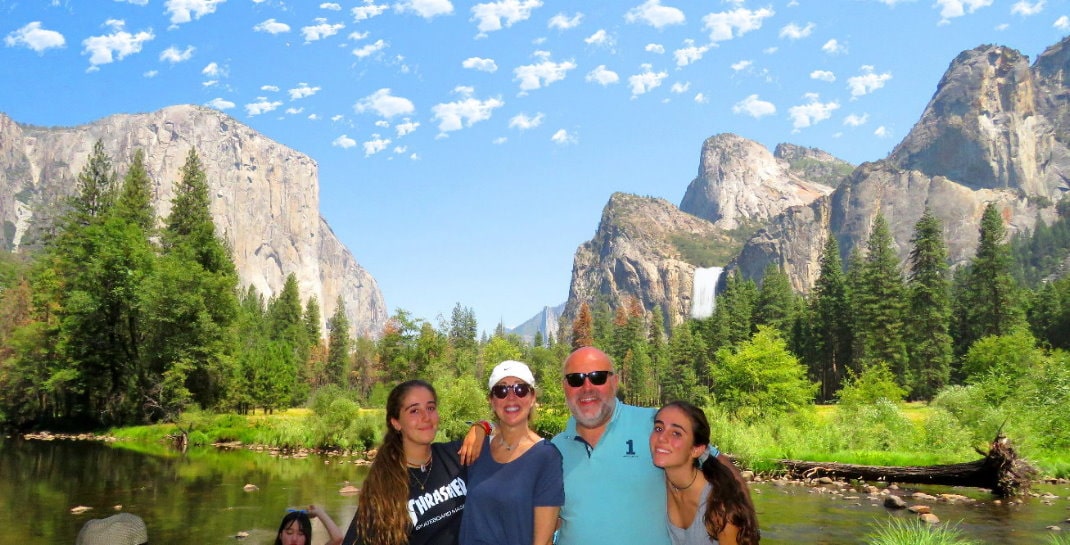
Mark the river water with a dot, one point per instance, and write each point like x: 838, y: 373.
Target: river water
x: 200, y: 497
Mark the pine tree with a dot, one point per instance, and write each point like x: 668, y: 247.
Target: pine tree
x: 881, y: 302
x: 134, y: 204
x: 986, y: 298
x: 929, y: 316
x: 831, y: 311
x: 582, y: 328
x: 338, y: 344
x: 777, y: 304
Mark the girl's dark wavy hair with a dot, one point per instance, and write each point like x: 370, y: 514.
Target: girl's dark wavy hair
x: 728, y: 501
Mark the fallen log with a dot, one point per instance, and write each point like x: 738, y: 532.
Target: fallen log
x: 1001, y: 470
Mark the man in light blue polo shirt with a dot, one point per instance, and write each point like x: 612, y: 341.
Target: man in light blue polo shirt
x: 613, y: 491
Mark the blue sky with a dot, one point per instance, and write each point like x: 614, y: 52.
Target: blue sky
x: 466, y: 149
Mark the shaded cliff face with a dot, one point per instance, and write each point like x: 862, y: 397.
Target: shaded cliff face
x: 740, y: 183
x: 265, y: 197
x: 645, y: 248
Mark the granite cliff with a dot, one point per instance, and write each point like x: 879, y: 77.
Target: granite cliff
x: 265, y: 197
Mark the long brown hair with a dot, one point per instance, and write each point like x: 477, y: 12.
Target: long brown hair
x: 382, y: 517
x: 728, y: 501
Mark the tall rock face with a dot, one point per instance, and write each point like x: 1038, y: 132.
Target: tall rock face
x: 265, y: 197
x: 995, y: 131
x: 645, y: 248
x: 989, y: 125
x: 545, y: 323
x: 740, y: 183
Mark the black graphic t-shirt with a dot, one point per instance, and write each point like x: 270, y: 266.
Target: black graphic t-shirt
x: 436, y: 499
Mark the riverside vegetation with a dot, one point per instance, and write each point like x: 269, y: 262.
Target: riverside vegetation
x: 123, y: 319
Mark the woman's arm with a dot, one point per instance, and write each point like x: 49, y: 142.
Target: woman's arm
x: 545, y: 524
x: 332, y: 528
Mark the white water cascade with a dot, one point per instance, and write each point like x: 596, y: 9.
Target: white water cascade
x: 703, y: 291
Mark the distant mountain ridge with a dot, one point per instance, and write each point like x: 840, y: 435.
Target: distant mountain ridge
x: 265, y: 197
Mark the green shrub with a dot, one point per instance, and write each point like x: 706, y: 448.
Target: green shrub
x: 549, y: 422
x: 879, y: 426
x: 875, y: 382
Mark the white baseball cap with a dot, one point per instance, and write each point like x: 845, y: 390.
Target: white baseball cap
x: 511, y: 368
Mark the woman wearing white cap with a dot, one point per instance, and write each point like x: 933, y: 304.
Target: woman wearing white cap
x: 515, y: 494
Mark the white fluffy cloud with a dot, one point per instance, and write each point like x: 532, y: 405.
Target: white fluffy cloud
x: 344, y: 142
x: 331, y: 6
x: 271, y: 26
x: 406, y: 127
x: 175, y: 55
x: 950, y: 9
x: 690, y: 53
x: 834, y: 47
x: 1025, y: 9
x: 453, y: 116
x: 384, y: 104
x: 742, y: 65
x: 646, y: 81
x: 602, y: 76
x: 867, y: 82
x: 655, y: 48
x: 793, y: 31
x: 882, y: 132
x: 656, y: 15
x: 680, y: 88
x: 211, y: 70
x: 302, y: 90
x: 524, y: 122
x: 823, y: 75
x: 493, y: 16
x: 814, y: 111
x: 261, y: 106
x: 481, y: 64
x: 368, y: 10
x: 1062, y: 23
x: 35, y: 38
x: 427, y: 9
x: 754, y: 107
x: 184, y: 11
x: 271, y: 88
x: 220, y: 103
x: 375, y: 145
x: 735, y: 23
x: 600, y: 38
x: 369, y: 49
x: 563, y: 137
x: 855, y: 120
x: 117, y: 45
x: 322, y: 29
x: 564, y: 22
x: 535, y: 76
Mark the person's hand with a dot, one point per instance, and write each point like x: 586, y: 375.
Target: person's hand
x: 472, y: 445
x: 314, y: 511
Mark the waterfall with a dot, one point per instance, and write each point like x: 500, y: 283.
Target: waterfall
x: 703, y: 291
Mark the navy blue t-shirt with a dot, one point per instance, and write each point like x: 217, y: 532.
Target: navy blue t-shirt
x: 502, y: 497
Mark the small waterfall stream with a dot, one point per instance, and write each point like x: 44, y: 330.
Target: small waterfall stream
x: 703, y: 291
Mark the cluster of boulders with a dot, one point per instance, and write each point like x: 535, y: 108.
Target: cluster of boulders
x: 893, y: 497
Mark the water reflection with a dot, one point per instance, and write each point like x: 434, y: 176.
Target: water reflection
x: 199, y: 498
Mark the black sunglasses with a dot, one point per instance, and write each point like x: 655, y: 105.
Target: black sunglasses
x: 597, y: 378
x: 501, y: 391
